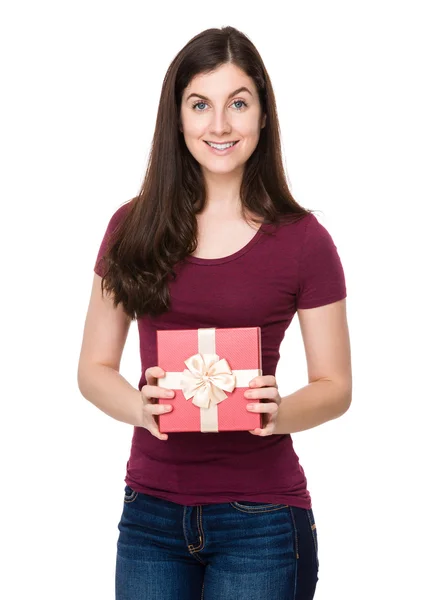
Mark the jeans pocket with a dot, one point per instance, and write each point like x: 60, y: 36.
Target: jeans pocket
x: 313, y: 527
x: 130, y: 495
x: 256, y: 507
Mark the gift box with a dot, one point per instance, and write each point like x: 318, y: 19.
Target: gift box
x: 209, y: 370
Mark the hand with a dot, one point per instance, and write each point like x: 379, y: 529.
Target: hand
x: 150, y: 394
x: 264, y: 388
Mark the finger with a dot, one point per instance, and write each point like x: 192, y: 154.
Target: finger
x: 263, y: 407
x: 265, y: 418
x: 268, y: 430
x: 157, y: 409
x: 154, y: 430
x: 263, y: 381
x: 271, y: 393
x: 152, y: 373
x: 156, y: 391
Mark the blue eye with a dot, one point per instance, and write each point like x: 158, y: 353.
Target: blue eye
x: 197, y: 104
x: 242, y: 101
x: 235, y: 101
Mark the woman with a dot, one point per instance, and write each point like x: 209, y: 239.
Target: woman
x: 215, y: 239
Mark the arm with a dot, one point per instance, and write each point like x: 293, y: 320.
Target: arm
x: 328, y: 394
x: 98, y: 377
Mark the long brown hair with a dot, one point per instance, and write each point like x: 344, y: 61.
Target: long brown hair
x: 160, y: 226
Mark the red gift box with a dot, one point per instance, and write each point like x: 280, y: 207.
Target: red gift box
x: 209, y: 370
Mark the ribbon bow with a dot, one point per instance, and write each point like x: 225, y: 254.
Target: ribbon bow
x: 206, y: 378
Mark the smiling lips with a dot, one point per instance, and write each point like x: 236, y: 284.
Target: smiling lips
x: 220, y: 143
x: 221, y: 147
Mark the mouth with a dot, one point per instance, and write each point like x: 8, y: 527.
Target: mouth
x: 221, y: 145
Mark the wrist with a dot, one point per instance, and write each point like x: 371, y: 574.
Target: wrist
x: 138, y: 406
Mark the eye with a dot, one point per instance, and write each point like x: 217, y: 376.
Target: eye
x: 202, y: 102
x: 197, y: 104
x: 242, y: 101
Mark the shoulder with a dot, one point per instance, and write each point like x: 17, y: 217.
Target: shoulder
x: 307, y: 232
x: 118, y: 216
x: 292, y: 228
x: 121, y: 212
x: 306, y: 225
x: 317, y: 236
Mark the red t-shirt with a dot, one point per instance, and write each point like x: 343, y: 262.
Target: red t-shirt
x: 262, y: 284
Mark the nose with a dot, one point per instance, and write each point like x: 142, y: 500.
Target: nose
x: 220, y: 124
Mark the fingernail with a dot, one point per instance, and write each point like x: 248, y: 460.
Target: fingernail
x: 250, y: 406
x: 168, y: 408
x: 169, y: 394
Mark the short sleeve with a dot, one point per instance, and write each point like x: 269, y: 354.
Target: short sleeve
x: 321, y: 275
x: 114, y: 221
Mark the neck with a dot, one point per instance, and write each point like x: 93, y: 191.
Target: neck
x: 223, y: 192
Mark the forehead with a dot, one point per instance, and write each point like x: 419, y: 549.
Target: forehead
x: 220, y: 82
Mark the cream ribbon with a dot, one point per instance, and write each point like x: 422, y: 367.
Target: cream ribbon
x: 206, y: 377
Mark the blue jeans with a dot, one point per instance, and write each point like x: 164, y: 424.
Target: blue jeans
x: 229, y: 551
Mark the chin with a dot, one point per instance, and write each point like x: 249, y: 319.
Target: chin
x: 220, y: 169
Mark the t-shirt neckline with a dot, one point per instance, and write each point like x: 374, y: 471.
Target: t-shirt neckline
x: 217, y: 261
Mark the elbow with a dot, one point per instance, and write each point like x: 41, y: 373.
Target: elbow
x: 88, y: 372
x: 342, y: 396
x: 345, y: 396
x: 81, y: 380
x: 83, y: 377
x: 82, y: 369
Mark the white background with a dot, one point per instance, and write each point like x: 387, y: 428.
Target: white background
x: 354, y: 83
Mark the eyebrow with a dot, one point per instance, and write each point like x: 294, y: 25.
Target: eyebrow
x: 241, y: 89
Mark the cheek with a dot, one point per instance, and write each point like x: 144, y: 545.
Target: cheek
x: 250, y: 131
x: 192, y: 127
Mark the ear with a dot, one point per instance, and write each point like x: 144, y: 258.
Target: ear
x: 263, y: 122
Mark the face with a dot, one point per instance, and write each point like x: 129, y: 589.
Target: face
x: 213, y: 110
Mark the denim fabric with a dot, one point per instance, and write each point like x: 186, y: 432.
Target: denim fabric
x: 229, y: 551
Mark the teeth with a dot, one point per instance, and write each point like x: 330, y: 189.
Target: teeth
x: 221, y: 146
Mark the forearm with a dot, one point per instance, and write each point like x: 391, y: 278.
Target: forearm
x: 312, y: 405
x: 109, y: 391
